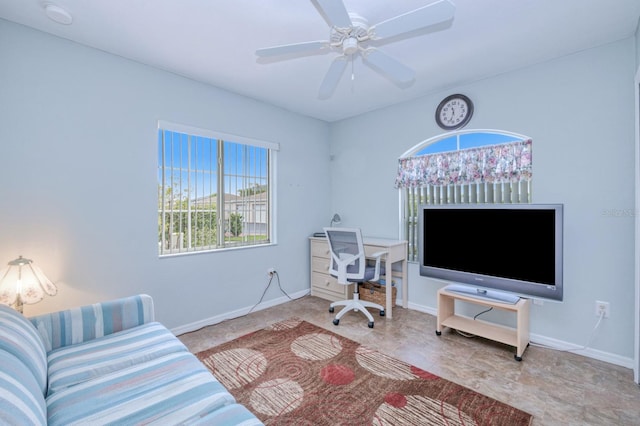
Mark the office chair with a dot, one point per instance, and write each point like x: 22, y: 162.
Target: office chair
x: 349, y: 266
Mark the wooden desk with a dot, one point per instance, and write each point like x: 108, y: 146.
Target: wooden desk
x: 325, y: 286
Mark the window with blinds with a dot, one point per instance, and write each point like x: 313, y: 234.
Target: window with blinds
x: 466, y: 167
x: 215, y: 191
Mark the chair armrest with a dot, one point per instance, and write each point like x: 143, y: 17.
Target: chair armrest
x: 88, y: 322
x: 378, y: 256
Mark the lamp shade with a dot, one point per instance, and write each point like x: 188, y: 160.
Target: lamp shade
x: 23, y: 282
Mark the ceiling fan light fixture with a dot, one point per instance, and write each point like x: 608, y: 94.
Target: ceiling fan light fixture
x: 58, y: 14
x: 350, y: 46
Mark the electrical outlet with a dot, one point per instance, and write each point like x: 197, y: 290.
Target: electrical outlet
x: 602, y: 307
x: 271, y: 271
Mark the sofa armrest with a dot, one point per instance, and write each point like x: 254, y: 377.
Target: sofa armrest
x: 88, y: 322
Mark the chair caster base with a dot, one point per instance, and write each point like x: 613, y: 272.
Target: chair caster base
x: 382, y: 313
x: 370, y: 324
x: 331, y: 310
x: 438, y: 333
x: 336, y: 321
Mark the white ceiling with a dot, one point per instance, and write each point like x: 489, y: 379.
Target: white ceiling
x: 214, y: 41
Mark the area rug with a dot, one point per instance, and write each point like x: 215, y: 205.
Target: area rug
x: 295, y: 373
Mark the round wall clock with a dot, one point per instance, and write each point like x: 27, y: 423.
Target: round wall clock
x: 454, y: 112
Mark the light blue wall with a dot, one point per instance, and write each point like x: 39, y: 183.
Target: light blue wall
x: 638, y: 44
x: 78, y: 152
x: 78, y: 189
x: 579, y: 112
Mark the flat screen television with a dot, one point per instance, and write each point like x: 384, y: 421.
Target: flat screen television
x: 494, y: 248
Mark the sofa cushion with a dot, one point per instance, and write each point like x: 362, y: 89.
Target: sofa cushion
x: 172, y: 389
x: 89, y: 322
x: 21, y: 399
x: 78, y: 363
x: 20, y: 338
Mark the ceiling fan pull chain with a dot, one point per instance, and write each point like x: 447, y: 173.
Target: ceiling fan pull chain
x: 353, y: 75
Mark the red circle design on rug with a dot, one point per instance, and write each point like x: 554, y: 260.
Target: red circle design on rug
x: 336, y: 374
x: 395, y: 399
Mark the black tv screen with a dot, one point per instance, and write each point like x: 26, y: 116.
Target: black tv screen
x: 508, y: 247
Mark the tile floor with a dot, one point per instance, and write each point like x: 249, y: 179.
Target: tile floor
x: 558, y: 388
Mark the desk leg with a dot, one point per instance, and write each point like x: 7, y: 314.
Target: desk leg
x: 405, y: 284
x: 389, y: 281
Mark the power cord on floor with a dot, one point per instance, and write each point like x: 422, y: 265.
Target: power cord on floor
x: 273, y: 274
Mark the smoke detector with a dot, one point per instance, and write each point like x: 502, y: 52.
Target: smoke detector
x: 58, y: 14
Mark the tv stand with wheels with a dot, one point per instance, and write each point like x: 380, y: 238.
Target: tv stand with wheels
x: 518, y: 336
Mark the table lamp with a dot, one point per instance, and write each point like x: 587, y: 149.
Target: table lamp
x: 22, y: 282
x: 335, y: 219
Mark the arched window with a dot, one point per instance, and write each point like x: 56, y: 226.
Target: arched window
x: 464, y: 167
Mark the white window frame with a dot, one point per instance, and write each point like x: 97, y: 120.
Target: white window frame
x: 271, y: 212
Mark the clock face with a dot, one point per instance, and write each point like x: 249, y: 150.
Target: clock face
x: 454, y: 112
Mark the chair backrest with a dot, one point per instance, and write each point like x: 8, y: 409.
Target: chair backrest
x: 347, y: 254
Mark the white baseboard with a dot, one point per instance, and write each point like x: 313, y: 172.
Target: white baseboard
x: 422, y: 308
x: 187, y: 328
x: 560, y: 345
x: 555, y: 344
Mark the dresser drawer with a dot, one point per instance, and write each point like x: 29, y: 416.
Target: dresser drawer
x: 320, y: 264
x: 327, y: 283
x: 322, y: 284
x: 320, y: 248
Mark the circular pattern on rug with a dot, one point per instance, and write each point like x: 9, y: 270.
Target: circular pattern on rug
x: 276, y: 397
x: 383, y: 365
x: 341, y: 407
x: 293, y: 368
x: 316, y: 346
x: 413, y: 409
x: 235, y: 368
x: 285, y: 325
x: 336, y: 374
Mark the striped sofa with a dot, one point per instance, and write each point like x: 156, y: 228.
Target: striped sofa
x: 107, y: 363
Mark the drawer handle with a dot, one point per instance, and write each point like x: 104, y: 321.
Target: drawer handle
x: 326, y: 252
x: 326, y: 283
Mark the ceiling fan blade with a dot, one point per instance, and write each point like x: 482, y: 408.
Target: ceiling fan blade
x: 434, y: 13
x: 385, y: 64
x: 285, y: 49
x: 336, y: 12
x: 332, y: 77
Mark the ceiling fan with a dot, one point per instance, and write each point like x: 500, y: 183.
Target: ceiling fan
x: 350, y: 34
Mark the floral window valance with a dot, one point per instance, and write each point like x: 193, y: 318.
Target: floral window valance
x: 510, y: 162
